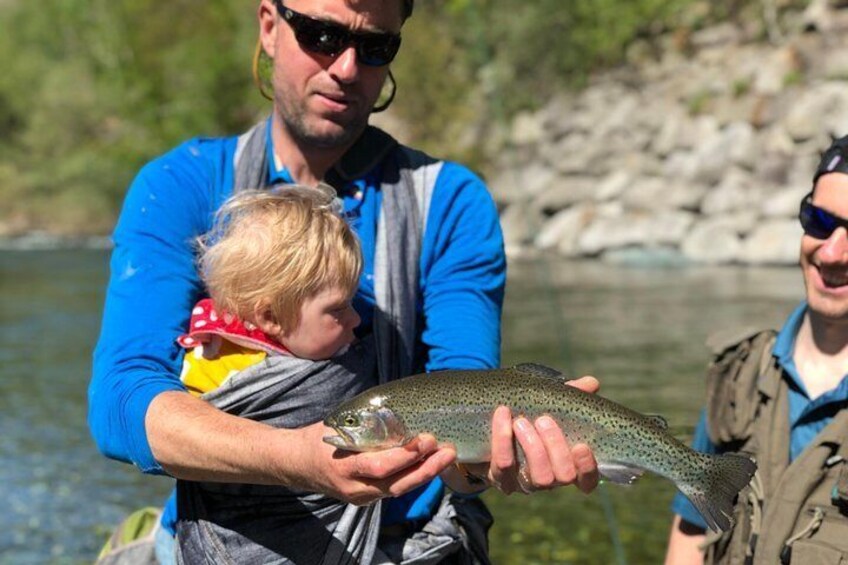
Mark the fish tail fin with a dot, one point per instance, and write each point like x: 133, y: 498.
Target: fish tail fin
x: 714, y: 489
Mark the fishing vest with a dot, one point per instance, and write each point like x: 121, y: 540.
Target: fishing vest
x: 791, y: 513
x: 224, y: 522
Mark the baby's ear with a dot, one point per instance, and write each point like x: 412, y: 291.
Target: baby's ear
x: 267, y: 321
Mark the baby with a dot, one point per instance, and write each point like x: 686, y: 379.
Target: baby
x: 273, y: 344
x: 281, y: 268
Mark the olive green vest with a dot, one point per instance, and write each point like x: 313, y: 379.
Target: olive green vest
x: 790, y: 513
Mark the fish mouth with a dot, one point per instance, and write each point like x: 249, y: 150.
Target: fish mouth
x: 342, y: 440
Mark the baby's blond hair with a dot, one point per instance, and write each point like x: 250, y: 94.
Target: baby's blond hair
x: 274, y: 249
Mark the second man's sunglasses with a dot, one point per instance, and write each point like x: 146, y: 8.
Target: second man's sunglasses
x: 327, y: 38
x: 818, y: 222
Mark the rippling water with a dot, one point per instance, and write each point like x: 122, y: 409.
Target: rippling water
x: 641, y: 331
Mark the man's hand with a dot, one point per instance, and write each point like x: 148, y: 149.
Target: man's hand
x: 550, y: 460
x: 362, y: 478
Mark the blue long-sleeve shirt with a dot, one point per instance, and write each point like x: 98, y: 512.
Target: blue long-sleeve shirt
x: 807, y: 417
x: 154, y: 282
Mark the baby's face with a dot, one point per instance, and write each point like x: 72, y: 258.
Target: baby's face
x: 326, y: 325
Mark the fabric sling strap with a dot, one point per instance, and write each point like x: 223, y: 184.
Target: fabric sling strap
x: 250, y: 162
x: 407, y: 191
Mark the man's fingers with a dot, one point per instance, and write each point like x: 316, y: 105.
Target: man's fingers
x: 503, y: 453
x: 421, y: 472
x: 558, y: 450
x: 501, y: 472
x: 549, y: 460
x: 587, y: 468
x: 384, y: 464
x: 393, y: 472
x: 586, y: 384
x: 538, y: 464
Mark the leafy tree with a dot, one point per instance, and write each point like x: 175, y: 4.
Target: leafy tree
x: 101, y: 86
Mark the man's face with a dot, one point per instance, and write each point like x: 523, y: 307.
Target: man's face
x: 325, y: 101
x: 824, y: 262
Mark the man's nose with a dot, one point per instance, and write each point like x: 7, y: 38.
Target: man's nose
x: 835, y: 248
x: 345, y: 67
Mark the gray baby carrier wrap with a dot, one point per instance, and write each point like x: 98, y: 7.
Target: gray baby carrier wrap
x: 240, y: 523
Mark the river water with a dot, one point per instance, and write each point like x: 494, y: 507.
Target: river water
x: 639, y: 330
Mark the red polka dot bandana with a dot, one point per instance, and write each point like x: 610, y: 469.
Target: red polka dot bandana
x: 206, y: 321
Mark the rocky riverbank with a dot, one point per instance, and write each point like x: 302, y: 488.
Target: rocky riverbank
x: 697, y: 151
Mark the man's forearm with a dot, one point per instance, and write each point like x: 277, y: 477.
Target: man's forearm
x: 193, y: 440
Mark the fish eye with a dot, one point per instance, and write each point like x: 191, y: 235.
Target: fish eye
x: 350, y: 420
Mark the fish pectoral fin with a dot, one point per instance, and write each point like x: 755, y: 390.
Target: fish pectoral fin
x: 540, y: 371
x: 619, y: 473
x: 657, y: 421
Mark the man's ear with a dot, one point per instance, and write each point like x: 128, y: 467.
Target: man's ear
x: 267, y: 321
x: 267, y: 14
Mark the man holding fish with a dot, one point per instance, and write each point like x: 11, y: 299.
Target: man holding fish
x: 783, y: 398
x: 434, y: 278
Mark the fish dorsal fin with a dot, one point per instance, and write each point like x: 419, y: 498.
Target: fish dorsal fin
x: 657, y: 421
x: 619, y: 473
x: 538, y: 370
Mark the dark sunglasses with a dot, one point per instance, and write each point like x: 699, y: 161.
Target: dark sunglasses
x: 326, y: 38
x: 817, y: 222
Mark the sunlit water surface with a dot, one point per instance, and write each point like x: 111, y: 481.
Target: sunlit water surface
x: 640, y: 331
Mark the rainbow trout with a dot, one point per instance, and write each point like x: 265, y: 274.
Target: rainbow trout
x: 457, y: 407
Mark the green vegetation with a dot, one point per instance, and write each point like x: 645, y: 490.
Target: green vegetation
x: 793, y: 78
x: 91, y: 89
x: 699, y: 102
x: 741, y: 87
